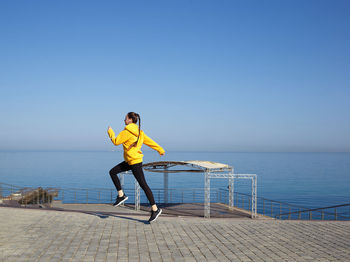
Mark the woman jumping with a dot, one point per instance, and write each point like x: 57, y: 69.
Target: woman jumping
x: 132, y: 138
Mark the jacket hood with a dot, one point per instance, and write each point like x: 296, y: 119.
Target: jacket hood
x: 133, y: 129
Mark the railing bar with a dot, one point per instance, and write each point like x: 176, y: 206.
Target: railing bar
x: 264, y: 207
x: 281, y: 209
x: 271, y: 209
x: 335, y: 213
x: 317, y: 209
x: 289, y: 214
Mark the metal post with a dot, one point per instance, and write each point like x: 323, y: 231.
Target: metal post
x: 335, y: 213
x: 322, y: 215
x: 280, y: 208
x: 264, y: 206
x: 207, y: 195
x: 254, y: 198
x: 231, y: 191
x: 121, y: 177
x: 289, y: 214
x: 271, y: 209
x: 251, y: 202
x: 236, y: 199
x: 87, y: 196
x: 137, y: 195
x: 165, y: 185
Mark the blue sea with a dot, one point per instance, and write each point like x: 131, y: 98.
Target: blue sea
x: 306, y: 179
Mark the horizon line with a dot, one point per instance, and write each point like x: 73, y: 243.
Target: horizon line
x: 149, y: 150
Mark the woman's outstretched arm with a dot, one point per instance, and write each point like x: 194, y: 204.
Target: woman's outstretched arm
x: 149, y: 142
x: 120, y: 139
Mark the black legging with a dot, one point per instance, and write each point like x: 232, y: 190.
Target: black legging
x: 138, y: 174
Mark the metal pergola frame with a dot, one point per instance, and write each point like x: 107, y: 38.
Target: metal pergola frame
x: 231, y: 177
x: 210, y: 171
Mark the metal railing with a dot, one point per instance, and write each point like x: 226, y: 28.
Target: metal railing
x: 267, y: 207
x: 26, y: 195
x: 338, y: 212
x: 103, y: 195
x: 283, y: 210
x: 7, y: 189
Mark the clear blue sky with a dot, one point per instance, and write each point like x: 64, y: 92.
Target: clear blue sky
x: 204, y: 75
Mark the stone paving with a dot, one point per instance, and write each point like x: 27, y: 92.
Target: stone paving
x: 46, y: 235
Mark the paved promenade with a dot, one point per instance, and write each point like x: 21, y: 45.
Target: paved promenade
x: 45, y: 235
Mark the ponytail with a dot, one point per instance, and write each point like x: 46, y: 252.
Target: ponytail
x: 138, y: 116
x: 135, y: 117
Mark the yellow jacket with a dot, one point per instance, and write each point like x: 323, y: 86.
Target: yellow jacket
x: 129, y: 136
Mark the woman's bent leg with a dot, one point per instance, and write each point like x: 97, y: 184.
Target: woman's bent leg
x: 121, y: 167
x: 140, y: 177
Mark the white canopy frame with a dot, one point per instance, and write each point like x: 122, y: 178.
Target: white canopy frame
x: 210, y: 169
